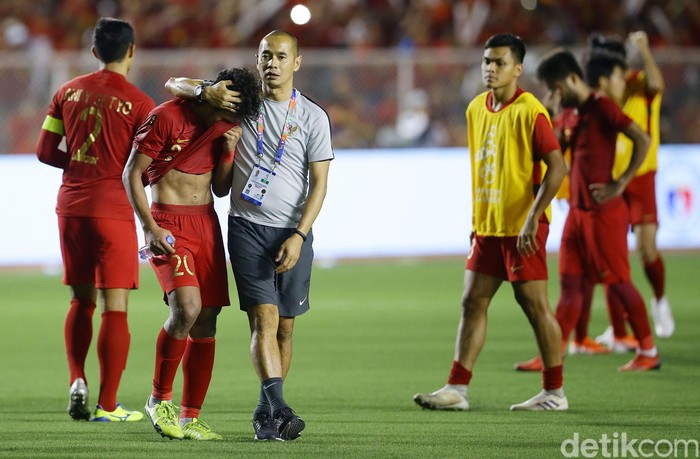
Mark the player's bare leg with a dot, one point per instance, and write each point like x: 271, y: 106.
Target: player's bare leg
x: 471, y: 335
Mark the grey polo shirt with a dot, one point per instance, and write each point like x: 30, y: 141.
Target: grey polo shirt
x: 309, y: 141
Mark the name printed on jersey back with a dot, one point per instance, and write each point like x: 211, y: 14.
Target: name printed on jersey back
x: 104, y: 101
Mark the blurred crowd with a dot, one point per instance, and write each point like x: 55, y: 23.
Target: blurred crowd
x: 366, y: 108
x: 66, y: 24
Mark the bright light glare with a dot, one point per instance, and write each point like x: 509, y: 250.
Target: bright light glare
x: 300, y: 14
x: 529, y: 5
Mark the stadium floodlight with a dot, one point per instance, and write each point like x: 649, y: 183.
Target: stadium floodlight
x: 300, y: 14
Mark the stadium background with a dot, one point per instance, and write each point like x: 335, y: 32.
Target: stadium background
x: 375, y: 65
x: 379, y: 331
x: 395, y: 77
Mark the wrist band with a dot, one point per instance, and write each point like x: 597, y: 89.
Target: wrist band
x: 301, y: 235
x: 227, y: 157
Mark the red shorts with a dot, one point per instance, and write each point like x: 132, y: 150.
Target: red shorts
x: 498, y: 257
x: 640, y: 196
x: 199, y: 259
x: 100, y: 251
x: 594, y: 243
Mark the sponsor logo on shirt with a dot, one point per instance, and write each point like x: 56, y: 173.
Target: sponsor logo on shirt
x: 177, y: 147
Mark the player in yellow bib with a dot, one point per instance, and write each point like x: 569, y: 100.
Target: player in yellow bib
x: 504, y: 175
x: 510, y: 142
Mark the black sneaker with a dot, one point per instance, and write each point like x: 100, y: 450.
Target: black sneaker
x: 287, y: 424
x: 264, y: 430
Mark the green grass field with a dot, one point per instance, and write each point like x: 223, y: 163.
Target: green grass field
x: 376, y: 334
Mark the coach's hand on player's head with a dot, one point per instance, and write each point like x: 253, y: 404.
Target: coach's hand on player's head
x: 220, y: 96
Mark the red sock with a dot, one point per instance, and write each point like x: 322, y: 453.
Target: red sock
x: 168, y: 356
x: 77, y: 332
x: 636, y: 312
x: 459, y: 374
x: 656, y: 274
x: 569, y: 305
x: 553, y: 377
x: 112, y: 350
x: 581, y: 331
x: 616, y: 312
x: 197, y: 366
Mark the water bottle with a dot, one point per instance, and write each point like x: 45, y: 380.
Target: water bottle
x: 145, y: 252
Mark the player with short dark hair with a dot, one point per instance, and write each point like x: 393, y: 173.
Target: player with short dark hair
x: 642, y: 103
x: 185, y: 149
x: 510, y: 142
x: 594, y: 241
x: 98, y: 115
x: 512, y: 42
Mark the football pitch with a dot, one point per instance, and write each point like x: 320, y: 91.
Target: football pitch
x: 376, y: 334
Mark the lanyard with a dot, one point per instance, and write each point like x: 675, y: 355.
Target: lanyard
x: 285, y: 130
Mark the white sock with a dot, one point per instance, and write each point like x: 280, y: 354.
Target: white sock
x: 651, y: 352
x: 184, y: 421
x: 152, y: 401
x: 558, y: 392
x: 461, y: 388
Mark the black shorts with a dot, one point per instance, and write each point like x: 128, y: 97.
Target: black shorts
x: 252, y: 249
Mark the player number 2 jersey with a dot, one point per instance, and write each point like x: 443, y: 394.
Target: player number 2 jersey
x: 98, y: 114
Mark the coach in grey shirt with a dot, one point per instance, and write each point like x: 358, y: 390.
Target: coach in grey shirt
x: 279, y: 182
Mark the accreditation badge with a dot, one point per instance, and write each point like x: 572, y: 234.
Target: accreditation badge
x: 257, y: 185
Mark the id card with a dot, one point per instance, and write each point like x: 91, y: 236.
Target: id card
x: 257, y: 185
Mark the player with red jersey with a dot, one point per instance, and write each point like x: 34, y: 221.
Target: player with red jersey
x: 510, y: 142
x: 594, y: 241
x: 564, y: 123
x: 98, y: 115
x: 642, y: 103
x: 185, y: 149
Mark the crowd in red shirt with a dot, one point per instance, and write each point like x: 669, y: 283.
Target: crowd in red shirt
x: 364, y: 106
x: 359, y: 23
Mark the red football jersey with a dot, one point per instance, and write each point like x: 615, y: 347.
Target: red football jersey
x: 170, y: 130
x: 100, y: 113
x: 593, y: 143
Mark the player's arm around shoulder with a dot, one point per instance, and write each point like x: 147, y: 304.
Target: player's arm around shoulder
x: 182, y: 87
x: 218, y: 95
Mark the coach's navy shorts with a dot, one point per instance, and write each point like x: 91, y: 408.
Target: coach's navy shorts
x: 252, y: 249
